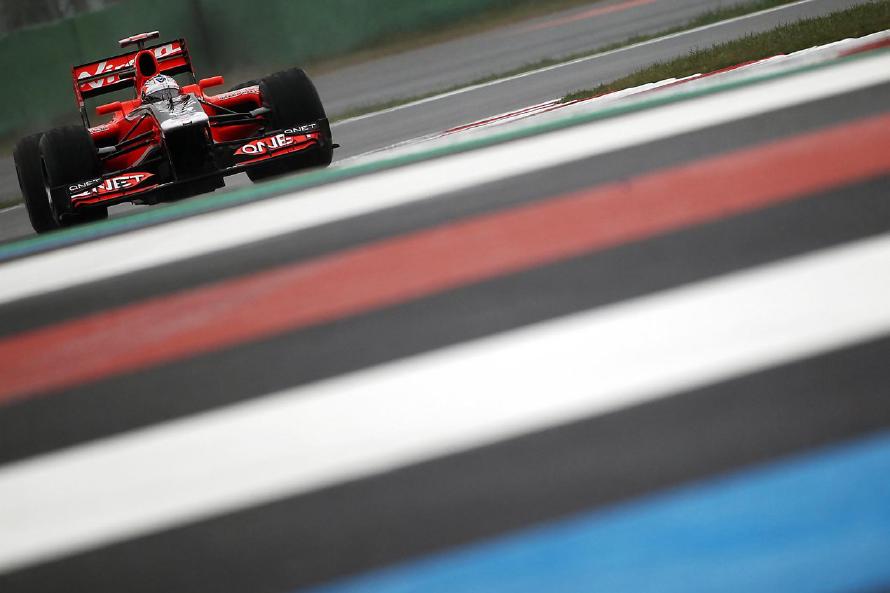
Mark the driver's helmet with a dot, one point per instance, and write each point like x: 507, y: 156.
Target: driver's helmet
x: 159, y: 88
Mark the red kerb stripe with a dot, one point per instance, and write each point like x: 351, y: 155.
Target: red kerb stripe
x: 423, y: 263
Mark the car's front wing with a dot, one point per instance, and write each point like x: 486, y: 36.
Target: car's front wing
x: 230, y: 158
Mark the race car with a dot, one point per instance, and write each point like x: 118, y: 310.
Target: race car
x: 171, y: 140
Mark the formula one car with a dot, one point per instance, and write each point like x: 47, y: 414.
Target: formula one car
x: 169, y: 142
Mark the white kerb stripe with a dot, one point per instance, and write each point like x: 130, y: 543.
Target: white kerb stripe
x: 208, y: 233
x: 440, y: 403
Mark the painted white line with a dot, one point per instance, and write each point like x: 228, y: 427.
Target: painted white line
x: 443, y: 402
x: 11, y: 208
x: 422, y: 143
x: 522, y: 75
x: 551, y: 110
x: 530, y: 115
x: 199, y: 235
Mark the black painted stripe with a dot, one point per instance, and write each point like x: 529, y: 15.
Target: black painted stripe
x: 190, y: 386
x: 354, y: 527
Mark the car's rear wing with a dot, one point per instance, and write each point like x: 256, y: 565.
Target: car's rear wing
x: 118, y: 72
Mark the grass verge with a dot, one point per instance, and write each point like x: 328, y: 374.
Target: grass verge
x: 707, y: 18
x: 853, y: 22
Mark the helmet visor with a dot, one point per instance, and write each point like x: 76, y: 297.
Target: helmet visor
x: 161, y: 95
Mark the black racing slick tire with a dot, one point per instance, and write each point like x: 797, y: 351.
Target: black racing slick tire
x: 29, y: 169
x: 69, y: 156
x: 293, y: 101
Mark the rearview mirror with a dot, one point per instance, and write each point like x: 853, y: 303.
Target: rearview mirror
x: 109, y: 108
x: 206, y: 83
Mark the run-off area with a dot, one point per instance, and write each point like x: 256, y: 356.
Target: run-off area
x: 483, y: 373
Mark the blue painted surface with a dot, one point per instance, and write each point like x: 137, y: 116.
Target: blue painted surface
x: 813, y: 523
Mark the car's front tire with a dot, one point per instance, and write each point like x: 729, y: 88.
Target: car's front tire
x: 293, y: 101
x: 69, y: 156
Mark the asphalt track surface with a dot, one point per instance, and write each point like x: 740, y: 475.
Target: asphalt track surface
x: 790, y: 185
x: 474, y: 57
x: 446, y: 65
x: 362, y: 135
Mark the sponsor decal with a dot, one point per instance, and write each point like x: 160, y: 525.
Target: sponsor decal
x: 84, y: 184
x: 113, y: 185
x: 272, y: 144
x: 112, y: 65
x: 302, y: 129
x: 249, y: 90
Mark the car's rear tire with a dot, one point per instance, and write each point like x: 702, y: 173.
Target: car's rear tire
x: 294, y: 101
x: 29, y: 169
x: 69, y: 156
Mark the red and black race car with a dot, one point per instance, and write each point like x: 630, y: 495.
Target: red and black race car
x: 170, y: 141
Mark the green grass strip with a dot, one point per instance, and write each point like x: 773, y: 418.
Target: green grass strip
x: 854, y: 22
